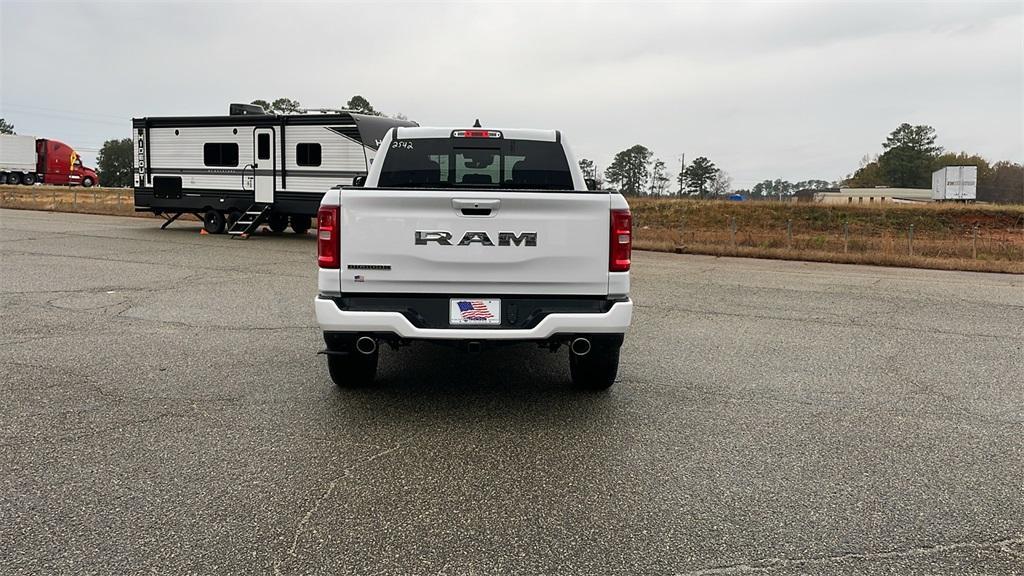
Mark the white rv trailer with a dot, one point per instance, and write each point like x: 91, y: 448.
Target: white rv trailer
x: 955, y: 183
x: 239, y: 171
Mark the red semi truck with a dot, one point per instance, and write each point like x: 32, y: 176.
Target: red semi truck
x: 27, y: 160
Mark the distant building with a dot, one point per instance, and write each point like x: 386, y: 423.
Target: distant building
x: 879, y: 195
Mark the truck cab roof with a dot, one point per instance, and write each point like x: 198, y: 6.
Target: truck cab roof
x: 416, y: 132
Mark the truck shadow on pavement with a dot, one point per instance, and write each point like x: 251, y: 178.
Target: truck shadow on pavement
x: 430, y: 381
x: 431, y: 368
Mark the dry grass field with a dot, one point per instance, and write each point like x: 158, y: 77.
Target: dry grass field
x: 95, y: 200
x: 951, y: 237
x: 942, y: 236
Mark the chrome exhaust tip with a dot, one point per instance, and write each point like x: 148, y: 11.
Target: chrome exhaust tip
x: 580, y: 346
x: 366, y: 345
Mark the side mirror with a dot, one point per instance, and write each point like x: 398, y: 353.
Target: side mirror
x: 591, y: 183
x: 359, y: 180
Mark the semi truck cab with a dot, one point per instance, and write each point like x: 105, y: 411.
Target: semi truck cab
x: 60, y: 165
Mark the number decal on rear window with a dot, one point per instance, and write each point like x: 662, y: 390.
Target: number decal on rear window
x: 402, y: 144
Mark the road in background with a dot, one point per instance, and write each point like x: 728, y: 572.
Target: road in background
x: 164, y: 409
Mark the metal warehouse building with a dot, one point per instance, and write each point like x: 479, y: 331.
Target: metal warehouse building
x: 879, y: 195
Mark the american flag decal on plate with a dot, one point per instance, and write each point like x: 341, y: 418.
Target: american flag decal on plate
x: 473, y: 311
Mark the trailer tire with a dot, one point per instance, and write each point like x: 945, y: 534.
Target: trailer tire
x: 13, y: 178
x: 277, y: 223
x: 301, y: 224
x: 213, y: 222
x: 597, y: 369
x: 87, y: 182
x: 28, y: 179
x: 352, y: 370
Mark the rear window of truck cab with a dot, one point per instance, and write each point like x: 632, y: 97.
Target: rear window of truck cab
x: 475, y: 163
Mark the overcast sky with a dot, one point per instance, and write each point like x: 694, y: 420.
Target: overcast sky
x: 792, y: 90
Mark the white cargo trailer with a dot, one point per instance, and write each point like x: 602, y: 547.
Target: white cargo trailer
x: 955, y: 183
x: 17, y: 153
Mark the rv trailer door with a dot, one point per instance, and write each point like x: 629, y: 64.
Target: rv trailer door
x: 263, y: 163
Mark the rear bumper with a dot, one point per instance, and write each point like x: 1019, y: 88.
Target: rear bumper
x: 333, y: 319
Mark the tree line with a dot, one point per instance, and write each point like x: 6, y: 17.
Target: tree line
x: 635, y: 172
x: 910, y: 155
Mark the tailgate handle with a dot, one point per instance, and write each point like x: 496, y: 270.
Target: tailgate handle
x: 469, y: 207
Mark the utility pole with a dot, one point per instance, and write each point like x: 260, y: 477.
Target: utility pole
x: 682, y: 166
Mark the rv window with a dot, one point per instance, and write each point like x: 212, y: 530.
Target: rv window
x: 307, y: 154
x: 220, y: 154
x: 263, y: 146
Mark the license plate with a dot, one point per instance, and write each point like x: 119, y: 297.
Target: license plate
x: 474, y: 311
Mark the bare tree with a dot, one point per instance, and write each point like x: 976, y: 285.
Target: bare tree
x: 721, y: 184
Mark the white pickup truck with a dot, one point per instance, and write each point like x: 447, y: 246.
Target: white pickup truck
x: 474, y: 237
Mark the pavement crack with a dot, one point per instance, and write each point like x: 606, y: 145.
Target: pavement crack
x: 765, y: 564
x: 300, y: 530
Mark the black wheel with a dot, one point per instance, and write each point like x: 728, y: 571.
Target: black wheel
x: 213, y: 222
x: 300, y: 224
x: 87, y: 182
x: 13, y: 178
x: 277, y: 223
x: 28, y: 179
x: 233, y: 217
x: 596, y: 369
x: 352, y: 369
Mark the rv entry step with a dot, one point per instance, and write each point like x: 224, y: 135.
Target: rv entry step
x: 250, y: 220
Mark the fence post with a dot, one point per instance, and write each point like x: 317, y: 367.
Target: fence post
x: 910, y: 241
x: 732, y: 231
x: 846, y: 236
x: 33, y: 195
x: 118, y: 197
x: 682, y: 230
x: 789, y: 234
x: 974, y: 243
x: 93, y: 196
x: 54, y: 199
x: 74, y: 198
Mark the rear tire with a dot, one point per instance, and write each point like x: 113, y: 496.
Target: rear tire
x: 277, y: 223
x: 28, y: 179
x: 213, y: 222
x: 596, y: 369
x: 352, y: 369
x: 300, y: 224
x: 13, y: 178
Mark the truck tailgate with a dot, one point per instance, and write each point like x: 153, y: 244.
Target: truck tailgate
x: 444, y: 242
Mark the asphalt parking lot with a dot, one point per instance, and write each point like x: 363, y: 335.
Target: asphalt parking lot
x: 165, y: 411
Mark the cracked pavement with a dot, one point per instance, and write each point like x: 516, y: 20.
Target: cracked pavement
x: 164, y: 411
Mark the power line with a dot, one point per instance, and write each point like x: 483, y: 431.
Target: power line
x: 69, y: 112
x: 123, y: 123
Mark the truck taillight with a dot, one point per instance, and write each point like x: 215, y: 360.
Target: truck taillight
x: 476, y: 134
x: 328, y: 237
x: 620, y: 241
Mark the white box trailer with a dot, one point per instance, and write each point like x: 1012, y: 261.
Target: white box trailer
x: 955, y: 183
x: 17, y: 153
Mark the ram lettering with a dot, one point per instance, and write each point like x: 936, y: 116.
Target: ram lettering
x: 444, y: 238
